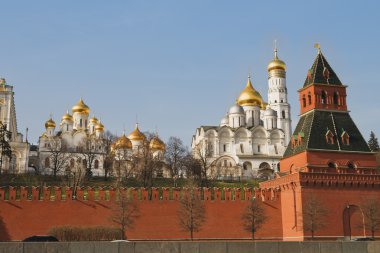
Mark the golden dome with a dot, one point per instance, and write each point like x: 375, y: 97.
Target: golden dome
x: 123, y: 143
x: 136, y: 135
x: 276, y: 63
x: 249, y: 96
x: 50, y: 123
x: 94, y: 120
x: 99, y: 126
x: 157, y: 144
x: 81, y: 107
x: 67, y: 117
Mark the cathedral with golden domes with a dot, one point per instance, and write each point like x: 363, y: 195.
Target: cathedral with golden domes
x: 78, y: 139
x: 135, y: 145
x: 252, y: 137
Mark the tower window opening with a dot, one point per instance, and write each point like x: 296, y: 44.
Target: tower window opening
x: 224, y: 147
x: 80, y: 123
x: 324, y: 98
x: 331, y: 165
x: 336, y: 98
x: 309, y: 98
x: 258, y: 148
x: 351, y: 166
x: 283, y: 114
x: 303, y: 101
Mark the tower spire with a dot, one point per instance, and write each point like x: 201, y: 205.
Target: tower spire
x: 275, y: 49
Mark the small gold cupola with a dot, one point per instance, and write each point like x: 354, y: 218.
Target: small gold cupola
x: 249, y: 96
x: 50, y: 123
x: 123, y: 143
x: 67, y: 116
x: 136, y: 134
x: 157, y: 144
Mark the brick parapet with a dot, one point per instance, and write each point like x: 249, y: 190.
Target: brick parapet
x: 108, y: 194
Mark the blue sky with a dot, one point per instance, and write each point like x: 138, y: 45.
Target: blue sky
x: 177, y: 65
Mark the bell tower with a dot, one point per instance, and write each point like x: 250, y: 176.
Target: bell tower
x: 278, y: 94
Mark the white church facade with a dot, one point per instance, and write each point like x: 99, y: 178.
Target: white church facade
x: 252, y: 137
x: 79, y: 140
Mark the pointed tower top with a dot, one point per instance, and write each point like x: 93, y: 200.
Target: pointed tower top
x: 321, y: 71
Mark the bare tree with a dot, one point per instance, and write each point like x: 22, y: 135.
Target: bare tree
x: 314, y: 214
x: 253, y: 217
x: 371, y: 212
x: 203, y: 152
x: 90, y: 148
x: 58, y: 155
x: 174, y: 156
x: 191, y: 213
x: 125, y: 212
x: 109, y: 156
x: 76, y: 175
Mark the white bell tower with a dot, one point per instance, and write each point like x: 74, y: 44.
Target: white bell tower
x: 278, y: 95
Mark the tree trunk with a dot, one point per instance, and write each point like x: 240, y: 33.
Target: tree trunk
x: 191, y: 234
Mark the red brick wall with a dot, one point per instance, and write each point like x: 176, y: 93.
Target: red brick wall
x: 20, y: 217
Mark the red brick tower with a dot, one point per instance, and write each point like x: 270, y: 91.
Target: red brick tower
x: 327, y: 159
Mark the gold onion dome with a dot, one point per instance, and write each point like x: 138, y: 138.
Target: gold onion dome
x: 276, y: 63
x: 99, y: 126
x: 249, y: 96
x: 81, y: 107
x: 136, y: 135
x: 94, y: 120
x: 123, y: 143
x: 67, y: 116
x: 157, y: 144
x: 50, y: 123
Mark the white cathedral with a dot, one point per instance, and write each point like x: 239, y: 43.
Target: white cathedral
x: 76, y: 131
x: 252, y: 137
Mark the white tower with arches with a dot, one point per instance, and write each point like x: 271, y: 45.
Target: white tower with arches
x: 278, y: 95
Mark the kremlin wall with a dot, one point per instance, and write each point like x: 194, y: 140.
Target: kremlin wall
x: 29, y: 211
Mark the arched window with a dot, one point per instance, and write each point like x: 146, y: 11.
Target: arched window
x: 309, y: 98
x: 47, y: 162
x: 351, y: 166
x: 283, y: 114
x: 304, y: 101
x: 324, y: 97
x: 96, y: 164
x: 80, y: 123
x: 336, y: 98
x: 331, y: 165
x: 258, y: 148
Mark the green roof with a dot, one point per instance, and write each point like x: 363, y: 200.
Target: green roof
x: 319, y: 72
x: 314, y: 125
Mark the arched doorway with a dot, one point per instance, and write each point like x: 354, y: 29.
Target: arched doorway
x: 353, y: 222
x: 265, y: 171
